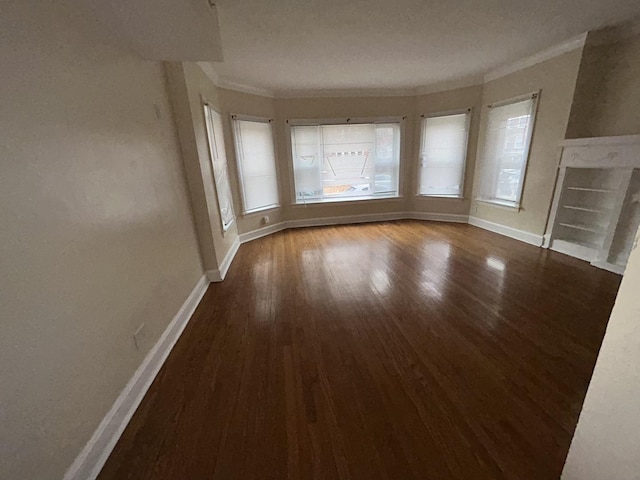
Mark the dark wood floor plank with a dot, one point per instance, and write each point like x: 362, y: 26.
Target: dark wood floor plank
x: 399, y: 350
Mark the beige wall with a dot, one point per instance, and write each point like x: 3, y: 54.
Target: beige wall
x: 97, y: 233
x: 556, y: 78
x: 608, y: 91
x: 606, y: 443
x: 619, y: 98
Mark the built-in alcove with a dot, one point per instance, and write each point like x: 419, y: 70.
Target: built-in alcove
x: 596, y: 208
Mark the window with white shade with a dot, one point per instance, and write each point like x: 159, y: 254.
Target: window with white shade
x: 345, y: 162
x: 443, y: 153
x: 506, y: 150
x: 215, y: 137
x: 256, y: 163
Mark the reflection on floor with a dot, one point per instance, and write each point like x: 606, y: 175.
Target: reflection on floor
x: 399, y: 350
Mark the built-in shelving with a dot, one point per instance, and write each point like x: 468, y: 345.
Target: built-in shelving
x: 596, y: 207
x: 585, y: 209
x: 586, y: 189
x: 585, y: 228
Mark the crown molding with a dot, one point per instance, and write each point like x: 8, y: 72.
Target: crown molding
x: 344, y: 92
x: 552, y: 52
x: 209, y: 70
x: 467, y: 81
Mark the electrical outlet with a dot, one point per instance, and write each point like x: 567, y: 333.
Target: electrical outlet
x: 140, y: 337
x: 265, y: 219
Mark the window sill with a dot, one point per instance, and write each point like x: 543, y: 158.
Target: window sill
x: 500, y: 204
x: 449, y: 197
x: 355, y: 200
x: 260, y: 210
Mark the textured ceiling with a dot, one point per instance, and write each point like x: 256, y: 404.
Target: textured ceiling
x: 286, y: 46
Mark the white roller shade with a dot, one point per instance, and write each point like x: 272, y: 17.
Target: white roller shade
x: 342, y: 162
x: 506, y: 150
x: 443, y: 154
x: 256, y: 164
x: 215, y: 135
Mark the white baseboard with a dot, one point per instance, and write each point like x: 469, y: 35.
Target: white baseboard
x: 610, y: 267
x: 345, y: 219
x: 349, y: 219
x: 218, y: 275
x: 438, y: 217
x: 527, y: 237
x: 262, y: 232
x: 93, y: 456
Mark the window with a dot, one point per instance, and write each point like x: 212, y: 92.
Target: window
x: 256, y: 164
x: 345, y: 162
x: 213, y: 122
x: 443, y: 152
x: 506, y: 150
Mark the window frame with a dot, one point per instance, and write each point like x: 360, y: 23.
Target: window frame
x: 208, y: 109
x: 469, y: 113
x: 305, y: 122
x: 256, y: 119
x: 498, y: 202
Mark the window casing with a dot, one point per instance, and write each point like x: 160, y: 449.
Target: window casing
x: 506, y: 150
x: 443, y: 154
x: 256, y: 161
x: 344, y: 162
x: 218, y: 157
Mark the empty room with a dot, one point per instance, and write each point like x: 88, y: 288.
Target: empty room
x: 304, y: 240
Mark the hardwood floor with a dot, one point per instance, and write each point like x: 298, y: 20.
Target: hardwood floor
x: 399, y: 350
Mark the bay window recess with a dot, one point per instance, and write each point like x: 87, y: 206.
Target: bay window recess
x: 256, y: 163
x: 443, y: 153
x: 342, y: 162
x: 506, y: 150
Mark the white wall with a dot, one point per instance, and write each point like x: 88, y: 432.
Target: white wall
x: 97, y: 233
x: 606, y: 444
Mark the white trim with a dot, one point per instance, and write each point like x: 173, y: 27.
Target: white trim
x: 615, y: 140
x: 436, y: 87
x: 438, y: 217
x: 262, y: 232
x: 610, y: 267
x: 349, y: 219
x: 552, y: 52
x: 504, y: 204
x: 573, y: 250
x: 345, y: 219
x: 415, y: 91
x: 219, y: 274
x: 218, y: 81
x: 523, y: 236
x: 251, y: 118
x: 312, y: 122
x: 91, y: 459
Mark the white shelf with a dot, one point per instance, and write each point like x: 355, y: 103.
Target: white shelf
x: 589, y: 189
x: 585, y: 209
x: 584, y: 228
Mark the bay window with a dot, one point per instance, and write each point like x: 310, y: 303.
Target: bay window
x: 443, y: 154
x: 506, y: 150
x: 342, y: 162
